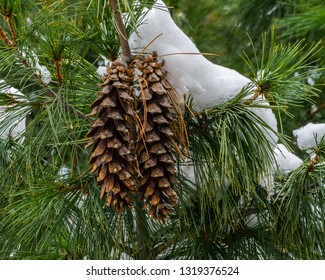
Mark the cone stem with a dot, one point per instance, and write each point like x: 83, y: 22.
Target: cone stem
x: 126, y: 52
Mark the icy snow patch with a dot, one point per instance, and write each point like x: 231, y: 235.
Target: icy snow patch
x: 266, y: 115
x: 285, y: 160
x: 17, y: 126
x: 41, y: 71
x: 44, y: 73
x: 267, y: 182
x: 252, y: 221
x: 63, y: 172
x: 101, y: 70
x: 189, y: 71
x: 309, y: 135
x: 188, y: 172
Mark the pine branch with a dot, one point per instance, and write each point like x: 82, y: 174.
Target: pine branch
x: 53, y: 94
x: 43, y: 85
x: 50, y: 92
x: 126, y: 52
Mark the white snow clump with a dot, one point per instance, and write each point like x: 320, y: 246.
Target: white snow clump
x: 266, y: 115
x: 188, y: 171
x: 16, y: 126
x: 252, y: 221
x: 309, y: 135
x: 285, y: 160
x: 267, y: 182
x: 101, y: 70
x: 41, y: 70
x: 44, y: 73
x: 63, y: 172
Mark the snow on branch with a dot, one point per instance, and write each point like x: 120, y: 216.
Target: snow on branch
x: 309, y: 135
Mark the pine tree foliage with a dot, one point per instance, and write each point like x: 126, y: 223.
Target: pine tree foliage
x: 50, y: 204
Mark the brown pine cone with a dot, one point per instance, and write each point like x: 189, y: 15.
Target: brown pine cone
x: 155, y: 149
x: 111, y: 136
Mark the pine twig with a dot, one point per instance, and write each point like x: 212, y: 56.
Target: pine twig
x: 315, y: 112
x: 254, y: 97
x: 58, y: 72
x: 312, y: 163
x: 50, y: 92
x: 126, y: 51
x: 11, y: 27
x: 5, y: 38
x: 54, y: 95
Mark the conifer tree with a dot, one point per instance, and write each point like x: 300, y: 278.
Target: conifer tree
x: 102, y: 158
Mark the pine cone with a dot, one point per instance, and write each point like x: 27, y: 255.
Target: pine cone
x: 155, y: 149
x: 113, y: 152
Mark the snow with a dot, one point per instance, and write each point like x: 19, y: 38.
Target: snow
x: 44, y: 73
x: 267, y: 182
x: 252, y: 221
x: 101, y: 70
x: 285, y: 160
x: 309, y: 135
x: 189, y: 73
x: 188, y: 172
x: 63, y: 172
x: 266, y: 115
x: 209, y: 84
x: 41, y: 70
x: 17, y: 126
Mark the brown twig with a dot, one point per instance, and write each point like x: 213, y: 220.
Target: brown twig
x: 312, y: 163
x: 318, y: 109
x: 59, y: 76
x: 11, y: 27
x: 126, y: 51
x: 144, y: 49
x: 254, y: 97
x: 5, y: 38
